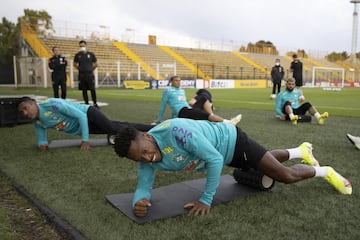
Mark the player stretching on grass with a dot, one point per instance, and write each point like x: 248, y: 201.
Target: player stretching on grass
x: 288, y: 105
x: 175, y: 97
x: 69, y: 117
x: 184, y: 144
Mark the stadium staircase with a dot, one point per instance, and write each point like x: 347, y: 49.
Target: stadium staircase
x: 183, y: 61
x: 129, y: 53
x: 33, y: 41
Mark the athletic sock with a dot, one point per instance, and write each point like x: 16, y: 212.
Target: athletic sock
x: 291, y: 115
x: 294, y: 153
x: 320, y: 171
x: 317, y: 115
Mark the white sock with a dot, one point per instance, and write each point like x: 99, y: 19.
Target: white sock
x: 317, y: 115
x: 294, y: 153
x: 291, y: 115
x: 320, y: 171
x: 226, y: 120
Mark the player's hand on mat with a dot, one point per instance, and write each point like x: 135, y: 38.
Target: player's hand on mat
x: 84, y: 145
x: 141, y: 206
x: 43, y: 147
x: 197, y: 208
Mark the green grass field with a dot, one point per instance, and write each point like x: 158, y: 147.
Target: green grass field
x: 73, y: 183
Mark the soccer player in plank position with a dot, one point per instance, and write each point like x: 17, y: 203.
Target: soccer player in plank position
x: 176, y: 98
x: 184, y: 144
x: 72, y: 118
x: 288, y: 105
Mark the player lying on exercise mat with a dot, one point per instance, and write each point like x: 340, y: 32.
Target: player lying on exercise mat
x: 183, y: 144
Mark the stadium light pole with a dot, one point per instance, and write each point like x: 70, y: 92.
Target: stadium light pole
x: 355, y: 30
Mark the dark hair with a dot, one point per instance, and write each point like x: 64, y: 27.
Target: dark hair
x: 24, y: 99
x: 123, y: 140
x: 290, y: 79
x: 205, y: 93
x: 82, y: 41
x: 173, y: 77
x: 294, y: 56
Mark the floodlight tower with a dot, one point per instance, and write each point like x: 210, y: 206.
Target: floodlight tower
x: 355, y: 30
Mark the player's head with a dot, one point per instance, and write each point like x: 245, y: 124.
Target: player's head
x: 56, y: 51
x: 290, y: 84
x: 277, y: 62
x: 137, y: 146
x: 28, y: 107
x: 82, y: 45
x: 294, y: 56
x: 175, y: 81
x: 205, y: 93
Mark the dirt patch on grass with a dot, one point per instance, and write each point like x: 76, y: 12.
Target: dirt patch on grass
x: 22, y: 220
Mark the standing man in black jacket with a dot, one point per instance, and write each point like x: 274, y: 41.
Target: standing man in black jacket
x: 58, y: 65
x: 86, y: 63
x: 277, y: 74
x: 296, y: 67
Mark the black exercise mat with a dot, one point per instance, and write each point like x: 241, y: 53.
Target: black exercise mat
x: 168, y: 201
x: 76, y: 143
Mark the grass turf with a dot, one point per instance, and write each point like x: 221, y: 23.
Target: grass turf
x: 74, y: 183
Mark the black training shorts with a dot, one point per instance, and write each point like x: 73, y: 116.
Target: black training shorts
x: 248, y: 153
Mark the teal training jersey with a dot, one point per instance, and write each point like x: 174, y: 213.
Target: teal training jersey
x: 186, y: 145
x: 61, y: 115
x: 284, y: 96
x: 176, y: 99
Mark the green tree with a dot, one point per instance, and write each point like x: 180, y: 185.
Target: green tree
x: 334, y: 56
x: 39, y: 21
x: 9, y: 35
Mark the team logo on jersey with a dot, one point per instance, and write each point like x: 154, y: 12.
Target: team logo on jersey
x: 60, y: 126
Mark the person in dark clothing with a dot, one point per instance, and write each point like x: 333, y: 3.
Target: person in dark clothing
x: 296, y: 67
x: 86, y: 63
x: 202, y: 100
x: 58, y: 65
x: 277, y: 74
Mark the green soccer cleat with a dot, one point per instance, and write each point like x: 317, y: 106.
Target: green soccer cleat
x: 322, y: 118
x: 307, y: 156
x: 235, y: 120
x: 338, y: 182
x: 294, y: 119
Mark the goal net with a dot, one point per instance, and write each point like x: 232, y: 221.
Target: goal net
x: 328, y: 78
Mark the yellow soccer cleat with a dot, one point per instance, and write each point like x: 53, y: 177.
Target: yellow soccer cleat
x: 338, y: 182
x: 294, y: 119
x: 323, y: 117
x: 307, y: 156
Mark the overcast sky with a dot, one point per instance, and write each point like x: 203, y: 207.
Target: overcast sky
x: 313, y: 25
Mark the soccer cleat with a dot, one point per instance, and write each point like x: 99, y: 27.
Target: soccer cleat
x: 307, y: 156
x: 235, y: 120
x: 294, y: 119
x: 322, y: 118
x: 354, y: 140
x: 338, y: 182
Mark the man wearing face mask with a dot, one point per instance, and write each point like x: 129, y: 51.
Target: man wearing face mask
x: 288, y: 106
x: 277, y: 74
x: 86, y: 63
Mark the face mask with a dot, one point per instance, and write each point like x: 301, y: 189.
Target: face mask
x: 82, y: 49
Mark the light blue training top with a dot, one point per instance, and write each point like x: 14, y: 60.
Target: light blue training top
x: 61, y: 115
x: 186, y: 145
x: 176, y: 98
x: 284, y: 96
